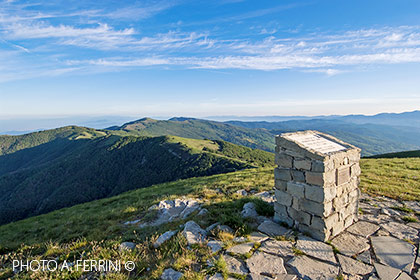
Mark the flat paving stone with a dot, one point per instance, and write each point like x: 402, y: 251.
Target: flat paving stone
x: 280, y: 248
x: 394, y: 252
x: 349, y: 244
x: 306, y: 268
x: 376, y: 219
x: 351, y: 266
x: 365, y: 257
x: 258, y: 237
x: 315, y: 248
x: 414, y: 205
x: 386, y: 272
x: 263, y: 263
x: 414, y: 225
x: 254, y: 276
x: 272, y: 229
x: 404, y: 276
x: 241, y: 249
x: 401, y: 231
x: 233, y: 265
x: 363, y: 228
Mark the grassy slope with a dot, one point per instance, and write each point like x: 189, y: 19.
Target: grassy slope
x: 79, y: 165
x: 407, y: 154
x: 94, y: 229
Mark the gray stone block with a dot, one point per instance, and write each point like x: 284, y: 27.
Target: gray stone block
x: 299, y: 216
x: 283, y: 198
x: 318, y: 166
x: 298, y: 176
x: 296, y: 189
x: 282, y: 174
x: 283, y: 160
x: 280, y: 185
x: 302, y: 164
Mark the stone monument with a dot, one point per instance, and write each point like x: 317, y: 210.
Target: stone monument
x: 316, y: 183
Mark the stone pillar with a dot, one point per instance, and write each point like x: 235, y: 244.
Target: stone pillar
x: 316, y: 183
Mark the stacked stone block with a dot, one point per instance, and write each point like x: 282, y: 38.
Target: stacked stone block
x: 316, y: 192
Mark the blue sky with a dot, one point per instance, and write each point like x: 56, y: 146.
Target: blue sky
x: 202, y: 58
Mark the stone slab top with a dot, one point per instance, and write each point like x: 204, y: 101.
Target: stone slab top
x: 316, y: 142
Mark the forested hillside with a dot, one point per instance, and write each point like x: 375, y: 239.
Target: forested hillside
x: 74, y: 165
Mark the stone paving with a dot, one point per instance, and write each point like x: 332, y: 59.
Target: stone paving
x: 381, y: 245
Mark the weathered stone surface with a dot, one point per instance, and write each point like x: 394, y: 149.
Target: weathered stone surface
x: 350, y: 244
x: 281, y: 248
x: 170, y: 274
x: 282, y: 174
x: 240, y: 239
x: 254, y: 276
x: 257, y: 237
x: 414, y: 225
x: 363, y: 228
x: 249, y: 210
x: 203, y: 212
x: 365, y: 257
x: 321, y: 210
x: 401, y: 231
x: 212, y: 227
x: 164, y: 237
x: 283, y: 160
x: 414, y: 205
x: 194, y: 233
x: 224, y: 228
x: 233, y: 265
x: 242, y: 192
x: 404, y: 276
x: 316, y: 249
x: 394, y: 252
x: 127, y: 246
x: 272, y: 229
x: 298, y: 176
x: 299, y: 216
x: 376, y: 219
x: 386, y: 272
x: 296, y: 189
x: 169, y: 210
x: 303, y: 164
x: 308, y: 268
x: 283, y: 198
x: 263, y: 263
x: 266, y: 196
x: 351, y: 266
x: 215, y: 246
x: 241, y: 249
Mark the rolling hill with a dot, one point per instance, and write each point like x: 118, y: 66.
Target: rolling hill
x: 201, y: 129
x: 44, y: 171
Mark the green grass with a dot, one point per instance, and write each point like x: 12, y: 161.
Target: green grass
x: 397, y: 178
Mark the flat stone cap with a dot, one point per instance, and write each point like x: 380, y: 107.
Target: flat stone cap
x: 314, y: 144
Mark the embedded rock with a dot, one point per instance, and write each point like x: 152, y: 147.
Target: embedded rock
x: 215, y: 246
x: 194, y: 233
x: 170, y: 274
x: 249, y: 210
x: 234, y: 265
x: 127, y: 246
x: 241, y: 249
x: 263, y: 263
x: 164, y: 237
x: 258, y: 237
